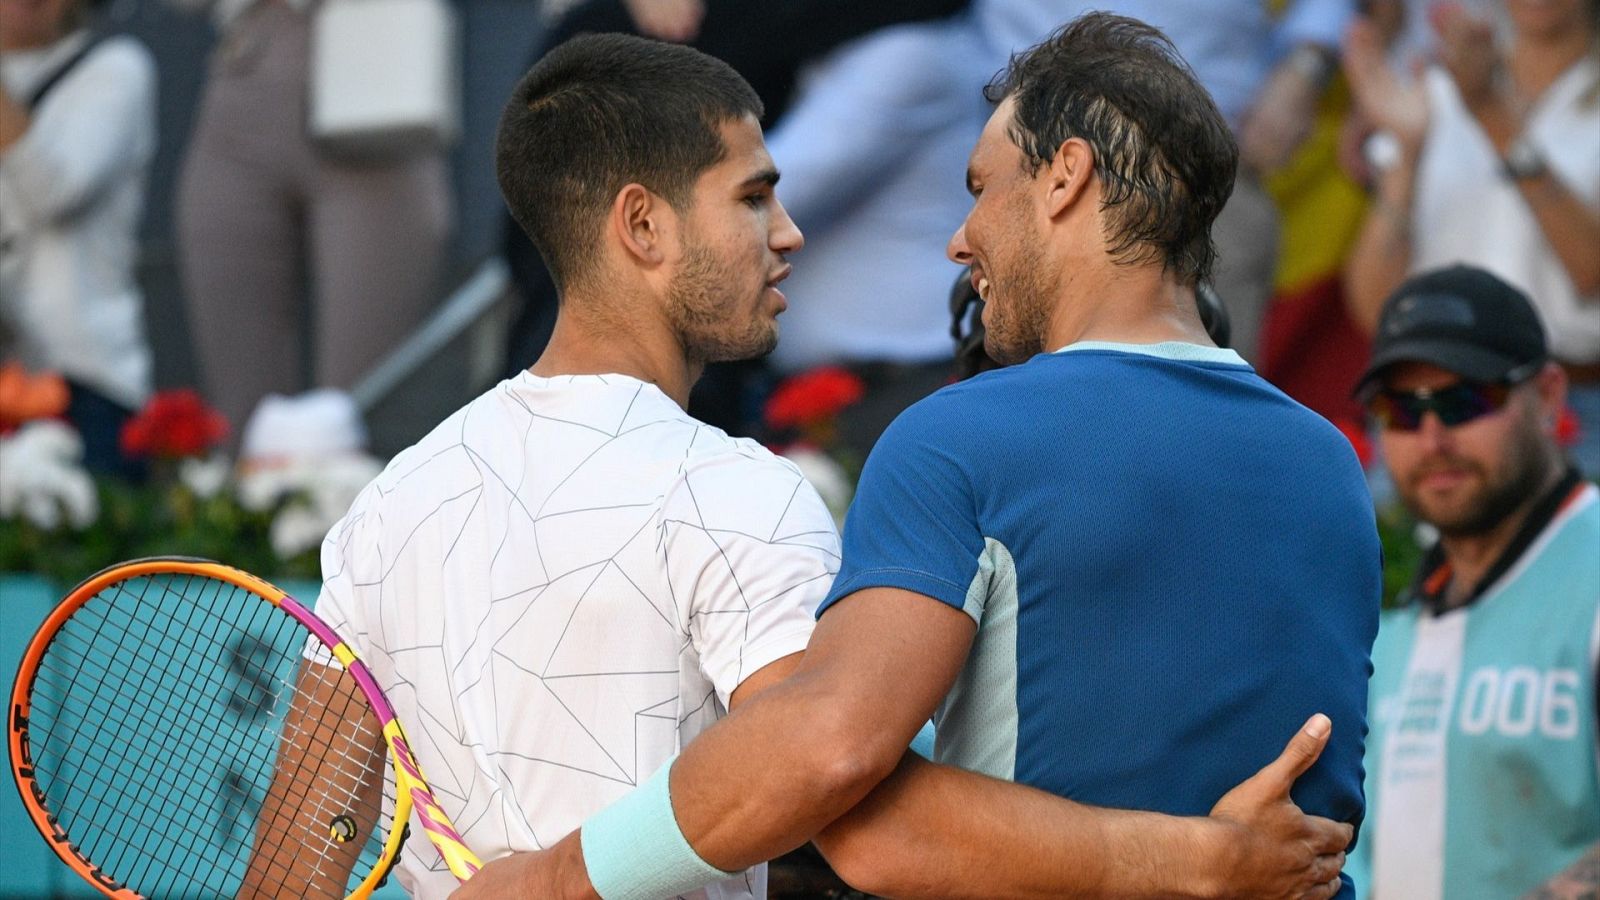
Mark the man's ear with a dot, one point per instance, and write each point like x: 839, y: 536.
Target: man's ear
x: 643, y: 225
x: 1551, y: 385
x: 1068, y: 176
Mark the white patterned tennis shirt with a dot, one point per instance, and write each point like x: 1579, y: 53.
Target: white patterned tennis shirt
x: 558, y: 588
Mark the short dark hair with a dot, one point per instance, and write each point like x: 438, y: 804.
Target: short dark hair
x: 1165, y: 156
x: 601, y: 111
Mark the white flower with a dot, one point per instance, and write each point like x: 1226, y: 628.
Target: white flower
x: 295, y: 530
x: 41, y: 478
x: 317, y: 424
x: 261, y: 487
x: 321, y: 491
x: 205, y: 477
x: 826, y: 477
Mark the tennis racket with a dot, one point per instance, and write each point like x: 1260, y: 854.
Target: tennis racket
x: 180, y: 728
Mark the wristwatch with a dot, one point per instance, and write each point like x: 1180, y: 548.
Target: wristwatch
x: 1523, y: 161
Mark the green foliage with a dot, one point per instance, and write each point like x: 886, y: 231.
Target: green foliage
x: 160, y: 518
x: 1397, y: 531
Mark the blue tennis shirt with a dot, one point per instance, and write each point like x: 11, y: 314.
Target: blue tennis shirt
x: 1171, y: 564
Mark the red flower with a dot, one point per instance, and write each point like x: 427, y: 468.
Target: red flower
x: 1357, y: 436
x: 174, y: 424
x: 1568, y: 428
x: 812, y: 397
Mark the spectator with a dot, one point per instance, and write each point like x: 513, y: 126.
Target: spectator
x: 873, y: 152
x: 1266, y: 76
x: 261, y: 206
x: 77, y: 133
x: 1481, y: 765
x: 1498, y: 172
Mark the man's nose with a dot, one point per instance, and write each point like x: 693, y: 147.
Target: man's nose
x: 1433, y: 431
x: 957, y: 250
x: 786, y: 236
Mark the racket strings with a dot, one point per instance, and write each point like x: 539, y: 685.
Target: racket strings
x: 263, y: 753
x: 132, y: 691
x: 158, y: 712
x: 148, y: 769
x: 318, y: 808
x: 189, y: 791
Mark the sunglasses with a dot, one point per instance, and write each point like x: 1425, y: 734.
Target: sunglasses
x: 1454, y: 405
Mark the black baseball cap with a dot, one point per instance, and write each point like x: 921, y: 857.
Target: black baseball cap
x: 1463, y: 320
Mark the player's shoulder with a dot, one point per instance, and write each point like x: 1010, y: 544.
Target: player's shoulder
x: 960, y: 408
x: 737, y: 485
x: 713, y: 454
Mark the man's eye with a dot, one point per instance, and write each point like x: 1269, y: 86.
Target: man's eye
x: 755, y: 200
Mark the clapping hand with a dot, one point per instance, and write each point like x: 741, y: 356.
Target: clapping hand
x: 1383, y: 98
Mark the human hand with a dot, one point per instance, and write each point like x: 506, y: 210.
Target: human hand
x: 1278, y: 851
x: 670, y: 20
x: 548, y: 874
x: 1281, y: 118
x: 1383, y: 98
x: 1467, y: 51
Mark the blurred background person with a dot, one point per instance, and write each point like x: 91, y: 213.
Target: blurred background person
x: 286, y: 245
x: 873, y: 154
x: 1266, y: 73
x: 1481, y: 763
x: 77, y: 133
x: 1492, y: 158
x: 1308, y: 345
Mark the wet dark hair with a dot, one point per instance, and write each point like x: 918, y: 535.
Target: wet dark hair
x: 1163, y: 152
x: 601, y: 111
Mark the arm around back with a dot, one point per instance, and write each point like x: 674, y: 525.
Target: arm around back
x: 795, y: 758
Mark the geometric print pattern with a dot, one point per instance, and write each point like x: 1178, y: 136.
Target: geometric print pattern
x: 558, y: 588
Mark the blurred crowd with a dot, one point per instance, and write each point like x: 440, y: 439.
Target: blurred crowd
x: 1378, y: 138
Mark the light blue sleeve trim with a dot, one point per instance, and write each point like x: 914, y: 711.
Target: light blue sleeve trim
x: 922, y: 744
x: 634, y: 849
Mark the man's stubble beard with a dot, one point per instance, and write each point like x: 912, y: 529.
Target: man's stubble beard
x: 708, y: 320
x: 1016, y: 328
x: 1528, y: 466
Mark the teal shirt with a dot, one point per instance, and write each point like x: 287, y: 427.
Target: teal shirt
x: 1483, y: 775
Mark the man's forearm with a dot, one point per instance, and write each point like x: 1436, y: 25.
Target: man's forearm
x: 776, y: 762
x: 937, y: 831
x: 934, y: 831
x: 1570, y: 227
x: 753, y: 787
x: 1382, y: 253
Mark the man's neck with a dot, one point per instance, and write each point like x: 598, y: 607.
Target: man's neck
x: 1124, y: 304
x: 1470, y: 557
x: 588, y: 342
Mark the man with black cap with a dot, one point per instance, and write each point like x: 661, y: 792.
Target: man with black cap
x: 1481, y: 764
